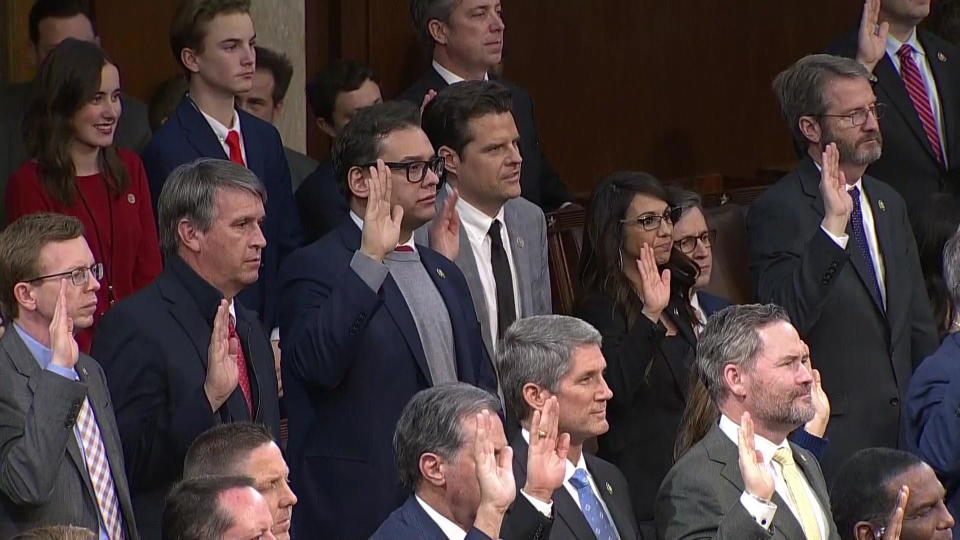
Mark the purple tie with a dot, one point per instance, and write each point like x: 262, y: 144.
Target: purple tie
x: 860, y: 238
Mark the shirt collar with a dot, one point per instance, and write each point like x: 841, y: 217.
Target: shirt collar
x: 450, y: 529
x: 477, y: 223
x: 570, y: 467
x: 219, y: 129
x: 697, y: 308
x: 893, y: 44
x: 358, y: 221
x: 766, y: 447
x: 451, y: 77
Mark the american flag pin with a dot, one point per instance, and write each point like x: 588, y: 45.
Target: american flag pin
x: 882, y: 206
x: 441, y: 274
x: 942, y: 57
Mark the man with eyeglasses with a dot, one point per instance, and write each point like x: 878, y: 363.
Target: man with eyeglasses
x: 692, y: 237
x: 61, y: 459
x: 834, y: 247
x: 368, y: 319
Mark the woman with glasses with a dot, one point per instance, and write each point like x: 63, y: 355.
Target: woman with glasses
x: 75, y: 170
x: 636, y: 292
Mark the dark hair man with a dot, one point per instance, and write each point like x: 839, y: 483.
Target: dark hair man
x: 216, y: 508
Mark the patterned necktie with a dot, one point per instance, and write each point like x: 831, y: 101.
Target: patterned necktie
x: 860, y: 238
x: 233, y: 143
x: 592, y: 509
x: 99, y: 469
x: 242, y: 378
x: 502, y: 278
x: 920, y: 98
x: 793, y: 477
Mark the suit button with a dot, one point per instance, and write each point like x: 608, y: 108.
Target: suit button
x: 895, y: 401
x: 362, y: 317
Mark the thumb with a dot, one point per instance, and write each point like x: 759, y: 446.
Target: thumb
x: 665, y: 278
x: 233, y: 348
x: 396, y: 215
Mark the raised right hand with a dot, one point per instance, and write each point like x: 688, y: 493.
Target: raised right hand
x: 872, y: 38
x: 547, y: 455
x: 757, y: 478
x: 837, y: 203
x: 891, y: 531
x: 63, y: 346
x: 381, y: 221
x: 654, y: 285
x: 222, y: 371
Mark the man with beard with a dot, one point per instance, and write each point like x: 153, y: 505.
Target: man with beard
x: 834, y: 247
x: 744, y: 479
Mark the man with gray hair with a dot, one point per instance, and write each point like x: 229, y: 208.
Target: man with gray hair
x: 834, y: 247
x: 181, y: 355
x: 555, y: 357
x: 744, y: 479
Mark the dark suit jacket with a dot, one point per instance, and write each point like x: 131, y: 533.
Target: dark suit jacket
x: 352, y: 359
x: 411, y: 522
x: 301, y: 165
x: 322, y: 206
x: 43, y: 475
x: 539, y: 182
x: 568, y: 520
x: 700, y: 497
x: 907, y: 163
x: 187, y: 136
x: 865, y: 354
x: 153, y: 347
x: 710, y: 303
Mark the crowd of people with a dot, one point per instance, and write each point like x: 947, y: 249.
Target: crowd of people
x: 173, y: 295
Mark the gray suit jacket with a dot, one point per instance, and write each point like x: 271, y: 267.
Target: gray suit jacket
x: 527, y: 229
x: 301, y: 165
x: 700, y: 496
x: 43, y: 476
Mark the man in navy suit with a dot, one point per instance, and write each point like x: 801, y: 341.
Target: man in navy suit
x: 692, y: 237
x: 215, y: 50
x: 368, y: 319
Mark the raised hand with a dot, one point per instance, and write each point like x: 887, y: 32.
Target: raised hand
x: 427, y: 98
x: 837, y: 203
x: 547, y: 455
x: 891, y: 531
x: 757, y: 478
x: 495, y: 476
x: 222, y: 371
x: 445, y: 228
x: 381, y: 221
x: 654, y: 285
x: 872, y: 39
x: 821, y: 405
x: 62, y: 344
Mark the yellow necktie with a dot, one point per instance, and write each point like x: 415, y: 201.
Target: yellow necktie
x: 794, y: 479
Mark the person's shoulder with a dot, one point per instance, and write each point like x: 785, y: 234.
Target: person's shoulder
x: 129, y: 158
x: 28, y: 171
x: 940, y: 45
x: 525, y: 208
x: 260, y: 126
x: 878, y: 189
x: 945, y: 359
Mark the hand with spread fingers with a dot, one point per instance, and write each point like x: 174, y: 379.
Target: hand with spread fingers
x: 757, y: 477
x: 654, y: 285
x: 427, y: 98
x: 837, y: 203
x: 223, y: 375
x: 63, y: 346
x: 495, y: 476
x: 894, y: 525
x: 547, y: 454
x: 445, y: 228
x: 381, y: 220
x: 872, y: 38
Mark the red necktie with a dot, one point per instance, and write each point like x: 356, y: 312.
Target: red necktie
x: 242, y: 378
x: 920, y: 98
x: 233, y: 142
x: 403, y: 247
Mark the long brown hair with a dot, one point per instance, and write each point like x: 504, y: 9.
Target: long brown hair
x: 69, y: 79
x: 700, y: 413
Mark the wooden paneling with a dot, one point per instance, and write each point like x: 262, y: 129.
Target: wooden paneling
x: 16, y: 60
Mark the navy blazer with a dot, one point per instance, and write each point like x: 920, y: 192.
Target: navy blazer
x: 352, y: 359
x: 411, y: 522
x: 321, y: 204
x: 187, y: 136
x: 711, y: 303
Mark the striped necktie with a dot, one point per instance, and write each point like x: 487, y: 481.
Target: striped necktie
x: 99, y: 469
x: 920, y: 98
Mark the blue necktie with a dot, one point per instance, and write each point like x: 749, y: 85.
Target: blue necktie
x: 860, y: 238
x: 591, y: 507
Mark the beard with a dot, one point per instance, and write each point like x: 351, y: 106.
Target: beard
x: 855, y: 152
x: 775, y: 409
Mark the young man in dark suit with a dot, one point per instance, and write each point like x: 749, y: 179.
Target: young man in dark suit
x: 182, y: 355
x: 369, y: 319
x: 61, y: 460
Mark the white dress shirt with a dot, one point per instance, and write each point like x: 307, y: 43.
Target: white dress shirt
x: 221, y: 132
x: 699, y: 312
x: 923, y: 64
x: 451, y: 77
x: 761, y: 511
x: 450, y: 529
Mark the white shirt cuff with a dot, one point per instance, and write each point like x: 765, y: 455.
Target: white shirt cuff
x: 545, y: 508
x: 838, y: 240
x: 758, y: 509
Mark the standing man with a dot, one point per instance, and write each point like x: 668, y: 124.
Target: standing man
x: 503, y: 237
x: 834, y: 247
x: 181, y: 355
x: 464, y: 40
x: 61, y: 460
x: 692, y: 237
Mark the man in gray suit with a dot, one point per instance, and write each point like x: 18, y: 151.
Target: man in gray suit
x: 744, y: 480
x: 497, y: 238
x: 61, y: 461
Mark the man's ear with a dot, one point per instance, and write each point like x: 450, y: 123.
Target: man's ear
x: 733, y: 378
x: 811, y: 129
x: 190, y: 59
x: 25, y: 297
x: 431, y: 469
x: 438, y: 31
x: 535, y: 396
x: 863, y: 530
x: 326, y: 127
x: 357, y: 183
x: 190, y: 236
x: 451, y: 159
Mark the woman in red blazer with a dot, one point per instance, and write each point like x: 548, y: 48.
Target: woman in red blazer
x: 75, y: 169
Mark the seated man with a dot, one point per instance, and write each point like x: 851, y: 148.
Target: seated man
x: 57, y: 532
x: 744, y: 480
x: 216, y: 508
x: 246, y: 449
x: 880, y: 491
x: 553, y: 357
x: 692, y: 237
x: 181, y: 355
x: 368, y: 320
x: 61, y: 460
x: 460, y: 472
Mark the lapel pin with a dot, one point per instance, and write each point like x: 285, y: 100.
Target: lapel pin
x: 882, y: 206
x: 520, y: 243
x: 609, y: 488
x: 942, y: 57
x: 131, y: 198
x: 441, y: 274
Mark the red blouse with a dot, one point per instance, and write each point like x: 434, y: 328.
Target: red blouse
x: 121, y: 231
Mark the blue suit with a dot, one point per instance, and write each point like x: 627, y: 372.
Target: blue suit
x: 411, y: 522
x: 352, y: 359
x: 710, y: 303
x: 187, y: 136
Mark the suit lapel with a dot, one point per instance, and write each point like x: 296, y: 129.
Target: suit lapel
x: 949, y: 109
x: 252, y: 143
x: 184, y: 310
x: 889, y: 80
x: 519, y: 248
x: 432, y: 261
x: 467, y: 262
x: 884, y: 228
x: 616, y: 503
x: 199, y: 133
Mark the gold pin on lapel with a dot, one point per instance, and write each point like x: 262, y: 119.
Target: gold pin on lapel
x: 883, y: 207
x: 441, y: 274
x: 942, y: 57
x: 609, y: 488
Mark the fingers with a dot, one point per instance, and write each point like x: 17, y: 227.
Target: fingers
x: 505, y: 459
x: 746, y: 436
x: 375, y: 195
x: 563, y: 446
x: 895, y: 524
x: 816, y: 379
x: 665, y: 278
x: 551, y: 419
x: 385, y: 180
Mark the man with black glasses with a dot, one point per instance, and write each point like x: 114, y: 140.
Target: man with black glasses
x: 692, y: 237
x: 368, y: 319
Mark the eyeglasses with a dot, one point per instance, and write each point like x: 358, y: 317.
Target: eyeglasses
x: 416, y: 170
x: 78, y: 277
x: 858, y: 117
x: 651, y: 222
x: 688, y: 244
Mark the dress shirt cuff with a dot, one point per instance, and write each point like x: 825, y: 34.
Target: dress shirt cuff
x: 838, y: 240
x: 370, y: 271
x: 545, y: 508
x: 66, y: 373
x: 275, y: 334
x: 760, y: 510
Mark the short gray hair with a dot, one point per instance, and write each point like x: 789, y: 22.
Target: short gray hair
x: 731, y: 337
x: 424, y: 11
x: 190, y: 192
x: 684, y: 198
x: 800, y: 87
x: 951, y: 269
x: 538, y: 350
x: 431, y: 423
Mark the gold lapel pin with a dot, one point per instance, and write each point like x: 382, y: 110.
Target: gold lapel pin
x: 942, y: 57
x: 882, y: 206
x: 609, y: 488
x: 131, y: 198
x: 441, y: 274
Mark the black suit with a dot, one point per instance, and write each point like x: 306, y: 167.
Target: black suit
x: 539, y: 182
x: 322, y: 206
x: 153, y: 348
x: 864, y: 353
x: 569, y: 522
x: 908, y: 163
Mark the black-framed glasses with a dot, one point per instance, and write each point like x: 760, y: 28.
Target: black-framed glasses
x: 688, y: 244
x: 651, y: 222
x: 416, y: 171
x: 858, y: 117
x: 78, y: 277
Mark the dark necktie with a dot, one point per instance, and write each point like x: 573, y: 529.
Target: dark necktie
x: 860, y: 238
x: 502, y: 277
x: 917, y: 90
